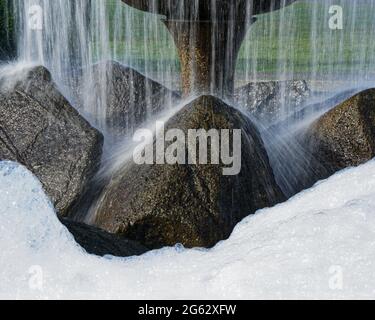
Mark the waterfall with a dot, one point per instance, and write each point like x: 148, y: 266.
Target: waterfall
x: 74, y: 35
x: 297, y: 42
x: 293, y: 43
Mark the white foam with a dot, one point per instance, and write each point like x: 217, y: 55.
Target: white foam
x: 305, y: 248
x: 12, y: 73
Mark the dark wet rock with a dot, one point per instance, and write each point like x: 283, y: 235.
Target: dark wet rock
x: 345, y: 136
x: 42, y: 131
x: 196, y: 205
x: 294, y: 159
x: 265, y: 100
x: 101, y: 243
x: 131, y: 97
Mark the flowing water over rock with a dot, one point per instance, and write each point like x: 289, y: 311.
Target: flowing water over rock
x: 79, y: 40
x: 76, y: 34
x: 193, y: 204
x: 131, y: 98
x: 292, y: 43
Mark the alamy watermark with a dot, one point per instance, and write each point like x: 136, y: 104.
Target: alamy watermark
x: 35, y: 17
x: 36, y: 278
x: 197, y: 147
x: 336, y: 280
x: 336, y: 21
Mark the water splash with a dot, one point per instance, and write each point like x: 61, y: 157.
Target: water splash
x: 293, y: 43
x: 75, y: 35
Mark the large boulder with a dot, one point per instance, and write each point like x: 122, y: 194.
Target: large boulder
x: 196, y: 205
x: 266, y: 100
x: 101, y: 243
x: 344, y: 136
x: 42, y: 131
x: 130, y: 98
